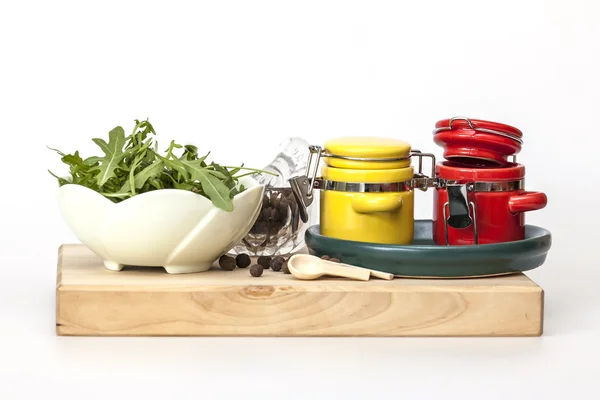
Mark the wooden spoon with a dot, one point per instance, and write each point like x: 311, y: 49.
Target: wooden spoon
x: 307, y: 267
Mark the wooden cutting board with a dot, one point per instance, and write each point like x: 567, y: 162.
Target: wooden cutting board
x: 93, y: 301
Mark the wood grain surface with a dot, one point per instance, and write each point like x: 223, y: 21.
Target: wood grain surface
x: 93, y: 301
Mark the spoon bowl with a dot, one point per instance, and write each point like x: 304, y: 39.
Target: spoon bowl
x: 307, y: 267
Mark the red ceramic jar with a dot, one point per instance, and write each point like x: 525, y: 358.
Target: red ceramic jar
x: 476, y: 142
x: 481, y: 205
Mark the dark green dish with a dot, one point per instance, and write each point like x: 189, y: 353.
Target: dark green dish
x: 425, y: 259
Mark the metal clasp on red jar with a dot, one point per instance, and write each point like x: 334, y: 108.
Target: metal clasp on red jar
x: 481, y: 205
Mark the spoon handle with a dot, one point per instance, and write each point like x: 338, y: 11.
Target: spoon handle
x: 378, y: 274
x: 344, y: 271
x: 382, y: 275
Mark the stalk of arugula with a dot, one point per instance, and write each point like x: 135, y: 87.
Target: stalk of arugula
x: 131, y: 165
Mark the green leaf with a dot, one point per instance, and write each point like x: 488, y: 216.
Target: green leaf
x: 156, y: 183
x: 60, y: 153
x: 237, y: 190
x: 183, y: 186
x: 172, y: 146
x: 115, y: 194
x: 176, y: 165
x: 227, y: 176
x: 113, y: 154
x: 194, y: 168
x: 140, y: 132
x: 142, y: 177
x: 190, y: 152
x: 218, y: 174
x: 141, y: 154
x: 136, y: 162
x: 75, y: 162
x: 216, y: 191
x: 214, y: 188
x: 151, y: 171
x: 61, y: 181
x: 236, y: 170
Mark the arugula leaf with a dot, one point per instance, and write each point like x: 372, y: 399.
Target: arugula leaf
x: 113, y: 154
x: 156, y: 183
x: 60, y: 153
x: 217, y: 174
x: 183, y: 186
x: 142, y: 153
x: 176, y: 166
x: 61, y: 181
x: 236, y: 170
x: 216, y: 191
x: 190, y: 152
x: 80, y: 172
x: 139, y: 136
x: 140, y: 178
x: 194, y: 168
x: 214, y: 188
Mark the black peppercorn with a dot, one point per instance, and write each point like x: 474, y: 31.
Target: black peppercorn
x: 262, y: 227
x: 256, y: 270
x: 227, y: 263
x: 277, y: 263
x: 285, y: 268
x: 275, y: 214
x: 282, y: 207
x: 243, y: 260
x: 336, y: 260
x: 266, y: 213
x: 325, y: 257
x: 265, y: 202
x: 265, y: 261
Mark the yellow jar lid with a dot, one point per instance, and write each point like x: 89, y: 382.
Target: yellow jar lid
x: 367, y: 176
x: 367, y: 147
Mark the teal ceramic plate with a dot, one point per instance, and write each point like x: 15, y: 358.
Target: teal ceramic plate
x: 425, y: 259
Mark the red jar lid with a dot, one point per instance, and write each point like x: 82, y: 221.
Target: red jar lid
x: 481, y: 125
x: 450, y: 171
x: 477, y: 142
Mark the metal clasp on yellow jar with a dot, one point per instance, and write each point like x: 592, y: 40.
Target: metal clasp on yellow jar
x: 379, y: 157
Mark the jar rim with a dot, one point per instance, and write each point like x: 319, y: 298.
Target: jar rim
x: 450, y: 171
x: 367, y: 175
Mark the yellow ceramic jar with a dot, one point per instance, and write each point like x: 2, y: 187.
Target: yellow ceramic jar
x: 365, y: 190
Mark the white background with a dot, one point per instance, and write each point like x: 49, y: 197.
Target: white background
x: 236, y: 77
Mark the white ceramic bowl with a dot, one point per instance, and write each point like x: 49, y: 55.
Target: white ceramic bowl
x: 175, y: 229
